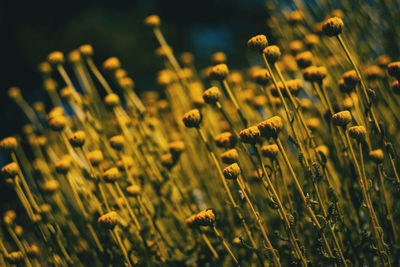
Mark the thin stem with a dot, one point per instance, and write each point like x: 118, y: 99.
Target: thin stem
x: 221, y: 239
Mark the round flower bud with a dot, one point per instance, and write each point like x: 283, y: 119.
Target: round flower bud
x: 304, y: 59
x: 350, y: 78
x: 313, y: 124
x: 62, y: 166
x: 74, y: 56
x: 95, y: 157
x: 56, y: 111
x: 394, y: 69
x: 218, y: 58
x: 77, y: 139
x: 33, y: 251
x: 230, y: 156
x: 45, y: 208
x: 176, y: 148
x: 376, y: 156
x: 111, y: 100
x: 396, y: 87
x: 219, y: 72
x: 333, y: 26
x: 18, y: 230
x: 374, y: 73
x: 258, y: 43
x: 58, y: 123
x: 211, y: 95
x: 164, y: 51
x: 232, y: 171
x: 111, y: 64
x: 305, y: 103
x: 323, y: 151
x: 250, y: 135
x: 152, y: 21
x: 187, y: 58
x: 261, y: 76
x: 133, y: 190
x: 14, y: 92
x: 272, y: 53
x: 66, y: 93
x: 192, y: 118
x: 108, y: 220
x: 44, y: 67
x: 358, y: 132
x: 117, y: 142
x: 314, y: 73
x: 270, y: 151
x: 50, y: 85
x: 295, y: 17
x: 10, y: 170
x: 56, y: 58
x: 168, y: 161
x: 126, y: 82
x: 341, y: 118
x: 270, y: 127
x: 86, y: 50
x: 348, y: 102
x: 125, y: 161
x: 296, y: 46
x: 15, y: 257
x: 205, y: 217
x: 9, y: 217
x: 50, y: 186
x: 311, y: 40
x: 235, y: 78
x: 111, y: 175
x: 383, y: 61
x: 9, y: 144
x: 225, y: 140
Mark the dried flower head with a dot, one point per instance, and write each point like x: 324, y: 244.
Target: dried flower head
x: 212, y: 95
x: 396, y: 87
x: 341, y: 118
x: 191, y: 221
x: 358, y: 132
x: 296, y: 46
x: 86, y: 50
x: 304, y: 59
x: 44, y: 67
x: 176, y: 148
x: 314, y: 73
x: 332, y: 26
x: 270, y: 127
x: 261, y: 76
x: 270, y: 151
x: 152, y: 21
x: 305, y: 103
x: 313, y: 123
x: 374, y: 73
x: 62, y: 166
x: 295, y: 17
x: 77, y: 139
x: 394, y: 69
x: 56, y: 58
x: 168, y: 160
x: 218, y: 58
x: 111, y: 64
x: 376, y: 156
x: 311, y: 40
x: 134, y: 190
x: 95, y: 157
x: 125, y: 161
x: 258, y: 43
x: 225, y: 140
x: 108, y: 220
x: 117, y: 142
x: 58, y: 123
x: 230, y: 156
x: 350, y: 78
x: 111, y: 175
x: 74, y: 56
x: 232, y: 171
x: 323, y: 151
x: 205, y: 217
x: 9, y: 217
x: 50, y: 186
x: 250, y: 135
x: 10, y: 170
x: 187, y: 58
x: 14, y: 92
x: 272, y: 53
x: 9, y: 144
x: 111, y: 100
x: 192, y: 118
x: 219, y: 72
x: 15, y: 257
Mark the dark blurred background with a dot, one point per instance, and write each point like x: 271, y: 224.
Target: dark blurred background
x: 30, y: 30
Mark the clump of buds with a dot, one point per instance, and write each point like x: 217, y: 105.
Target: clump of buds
x: 9, y: 144
x: 212, y: 95
x: 271, y: 127
x: 10, y: 170
x: 341, y: 118
x: 358, y: 132
x: 77, y: 139
x: 225, y: 140
x: 108, y: 220
x: 272, y: 53
x: 203, y: 218
x: 219, y: 72
x: 230, y: 156
x: 231, y: 172
x: 192, y: 118
x: 270, y: 151
x: 250, y: 135
x: 258, y: 43
x: 332, y: 26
